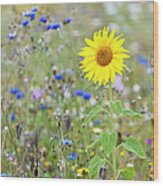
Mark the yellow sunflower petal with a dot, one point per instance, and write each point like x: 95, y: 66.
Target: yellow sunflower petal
x: 91, y: 43
x: 89, y: 67
x: 111, y: 37
x: 112, y: 73
x: 87, y: 60
x: 87, y: 53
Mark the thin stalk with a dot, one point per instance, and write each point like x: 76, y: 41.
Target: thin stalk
x: 112, y: 130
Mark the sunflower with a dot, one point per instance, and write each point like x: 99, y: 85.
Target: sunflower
x: 103, y: 57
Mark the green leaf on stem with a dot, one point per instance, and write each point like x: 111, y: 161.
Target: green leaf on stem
x: 134, y: 146
x: 94, y: 166
x: 108, y: 142
x: 116, y: 106
x: 92, y: 114
x: 128, y: 112
x: 128, y: 173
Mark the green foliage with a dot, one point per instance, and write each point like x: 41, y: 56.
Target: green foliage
x: 92, y: 114
x: 128, y: 173
x: 128, y: 112
x: 134, y: 146
x: 117, y: 107
x: 94, y: 143
x: 108, y: 142
x: 94, y: 166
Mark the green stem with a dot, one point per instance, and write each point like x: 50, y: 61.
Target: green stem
x: 111, y: 111
x: 118, y: 174
x: 112, y: 130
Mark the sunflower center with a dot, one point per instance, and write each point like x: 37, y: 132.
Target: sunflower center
x: 104, y: 56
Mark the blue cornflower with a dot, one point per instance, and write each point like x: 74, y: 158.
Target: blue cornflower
x: 79, y: 92
x: 97, y: 122
x: 48, y: 27
x: 72, y: 156
x: 12, y: 117
x: 67, y: 142
x: 43, y: 19
x: 34, y: 9
x: 4, y: 174
x: 20, y: 95
x: 86, y: 95
x: 42, y: 107
x: 67, y: 20
x: 142, y: 60
x: 58, y: 76
x: 55, y: 26
x: 32, y: 16
x: 25, y: 23
x: 14, y: 90
x: 53, y: 94
x: 11, y: 36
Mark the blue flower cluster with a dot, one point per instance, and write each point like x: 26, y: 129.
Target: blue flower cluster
x: 81, y: 93
x: 54, y: 26
x: 17, y: 93
x: 31, y: 15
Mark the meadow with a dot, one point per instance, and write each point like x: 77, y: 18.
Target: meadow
x: 57, y: 124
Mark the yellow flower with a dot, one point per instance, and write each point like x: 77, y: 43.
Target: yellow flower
x: 122, y: 153
x: 83, y: 171
x: 150, y: 163
x: 47, y: 164
x: 103, y: 57
x: 73, y: 168
x: 97, y: 130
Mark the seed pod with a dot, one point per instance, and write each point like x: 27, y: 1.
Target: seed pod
x: 103, y: 172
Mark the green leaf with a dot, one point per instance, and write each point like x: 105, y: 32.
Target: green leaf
x: 116, y: 106
x: 128, y: 173
x: 94, y: 143
x: 94, y: 166
x: 92, y: 114
x: 131, y: 113
x: 133, y: 145
x: 108, y: 142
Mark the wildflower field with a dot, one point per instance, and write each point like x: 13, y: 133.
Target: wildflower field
x: 77, y: 91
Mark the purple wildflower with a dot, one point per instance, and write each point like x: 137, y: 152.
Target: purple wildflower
x: 149, y: 141
x: 118, y: 84
x: 37, y: 94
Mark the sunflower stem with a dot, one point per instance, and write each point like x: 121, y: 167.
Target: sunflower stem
x: 112, y: 130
